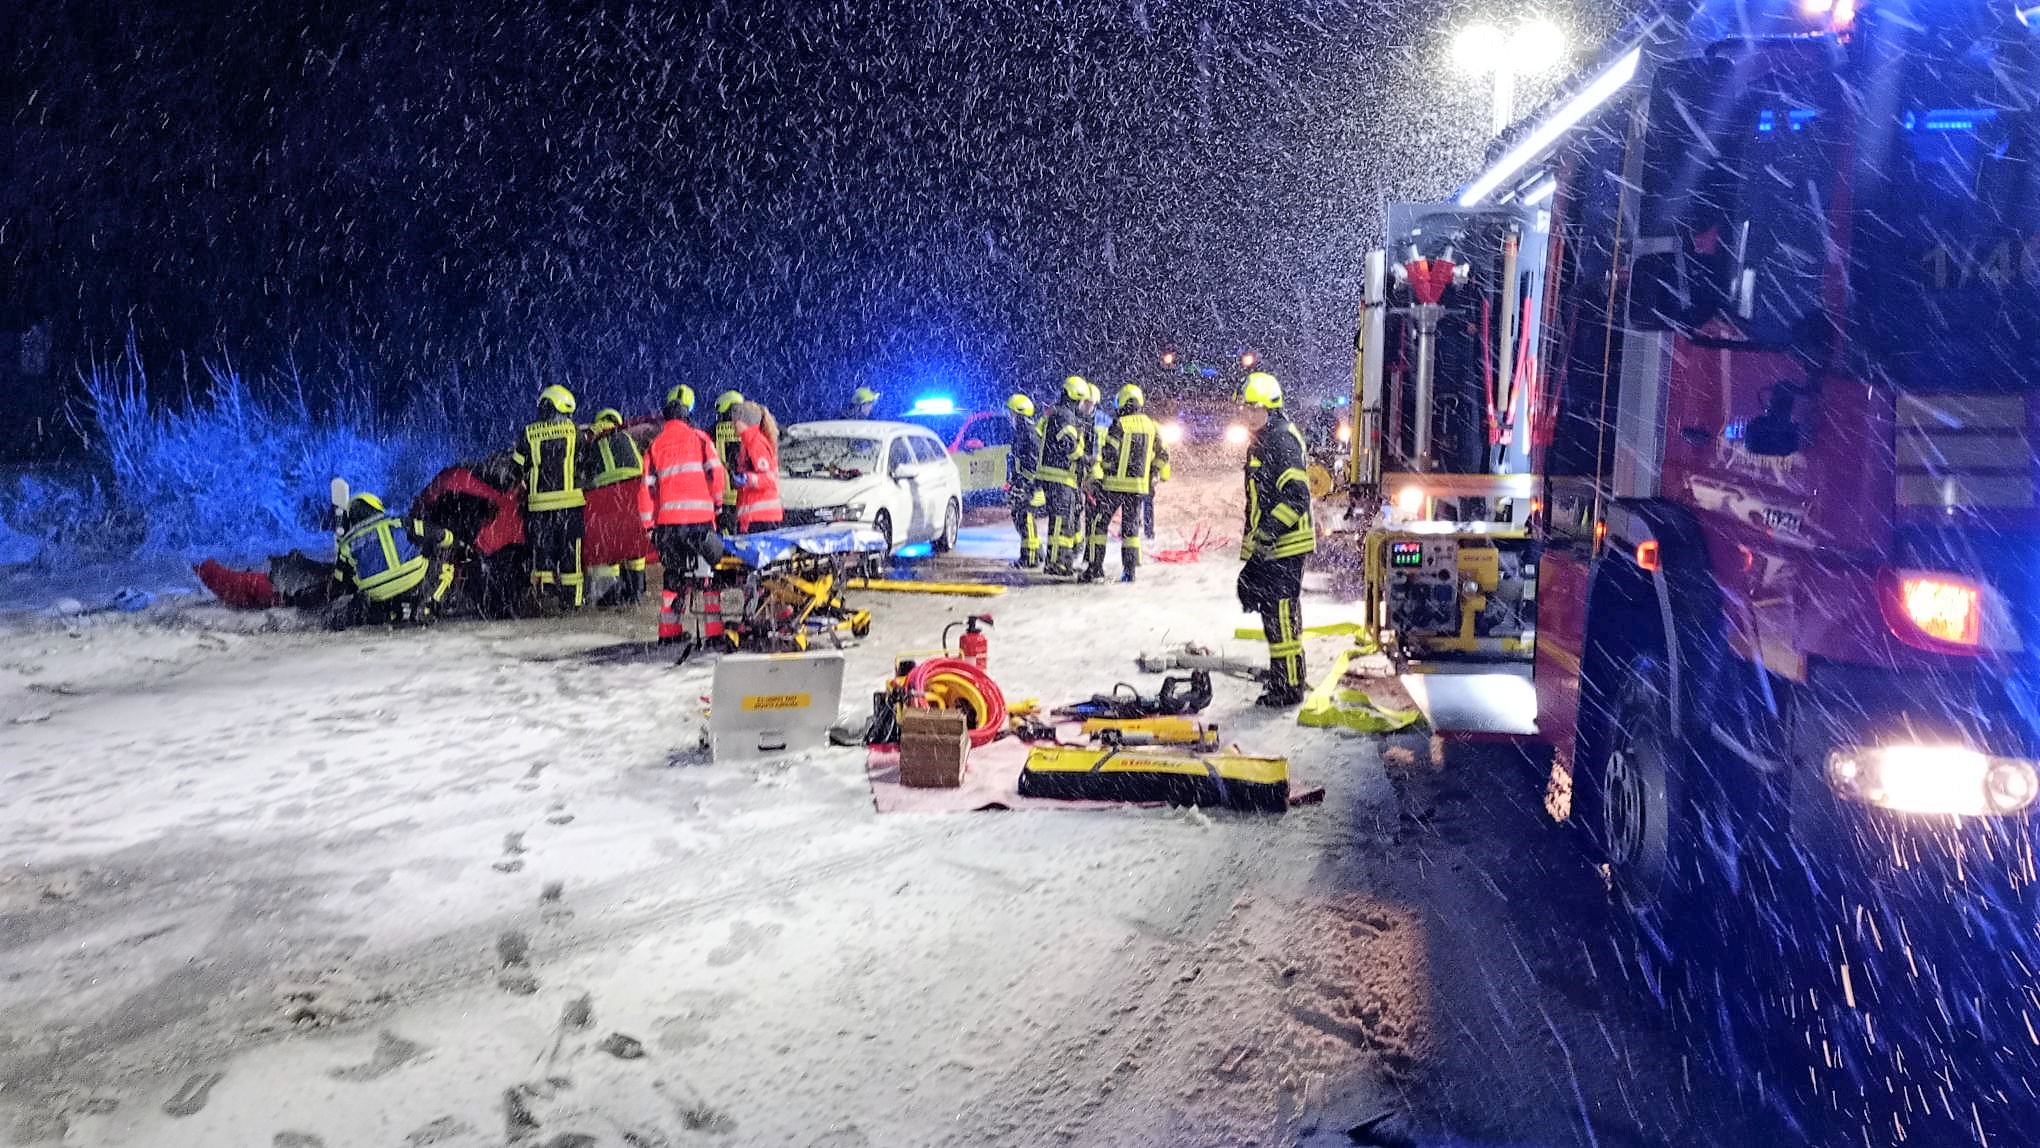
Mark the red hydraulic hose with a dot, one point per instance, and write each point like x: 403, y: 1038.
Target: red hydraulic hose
x: 991, y: 716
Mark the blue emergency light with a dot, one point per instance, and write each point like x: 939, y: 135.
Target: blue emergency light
x: 933, y: 405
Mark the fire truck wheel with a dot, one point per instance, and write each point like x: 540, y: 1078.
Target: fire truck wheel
x: 1639, y: 799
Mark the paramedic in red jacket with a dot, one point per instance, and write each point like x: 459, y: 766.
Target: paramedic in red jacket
x: 683, y: 486
x: 757, y: 477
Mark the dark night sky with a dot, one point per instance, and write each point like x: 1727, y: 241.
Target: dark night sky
x: 788, y: 197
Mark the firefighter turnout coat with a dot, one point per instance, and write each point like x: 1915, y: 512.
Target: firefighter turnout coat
x: 1278, y: 494
x: 1131, y: 454
x: 550, y: 456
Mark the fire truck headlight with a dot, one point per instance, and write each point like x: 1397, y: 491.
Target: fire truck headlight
x: 1345, y: 432
x: 1410, y: 500
x: 1934, y: 779
x: 1236, y: 435
x: 1172, y: 432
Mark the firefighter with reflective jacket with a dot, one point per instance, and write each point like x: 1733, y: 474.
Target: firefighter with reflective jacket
x: 1063, y: 434
x: 1279, y: 535
x: 1130, y: 455
x: 1023, y: 494
x: 398, y: 569
x: 612, y: 508
x: 678, y: 500
x: 554, y: 466
x: 728, y: 441
x: 861, y: 401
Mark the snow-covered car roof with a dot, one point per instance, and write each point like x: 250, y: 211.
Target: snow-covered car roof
x: 859, y: 428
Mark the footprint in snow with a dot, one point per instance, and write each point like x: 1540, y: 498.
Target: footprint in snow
x: 192, y: 1095
x: 391, y: 1053
x: 746, y: 940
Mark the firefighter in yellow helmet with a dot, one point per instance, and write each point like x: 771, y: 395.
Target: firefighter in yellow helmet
x: 861, y: 401
x: 1023, y: 493
x: 1279, y: 535
x: 727, y: 444
x: 1060, y: 474
x: 397, y: 569
x: 612, y: 512
x: 551, y: 457
x: 1129, y: 453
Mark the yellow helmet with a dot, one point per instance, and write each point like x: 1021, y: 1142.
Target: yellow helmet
x: 608, y: 417
x: 1021, y: 405
x: 682, y: 394
x: 726, y: 400
x: 361, y: 508
x: 1076, y: 389
x: 1093, y: 393
x: 1129, y: 396
x: 863, y: 395
x: 558, y: 398
x: 1262, y: 391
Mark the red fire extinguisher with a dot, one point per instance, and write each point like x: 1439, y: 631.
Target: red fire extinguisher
x: 974, y: 645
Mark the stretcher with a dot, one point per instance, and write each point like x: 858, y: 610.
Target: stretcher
x: 781, y: 590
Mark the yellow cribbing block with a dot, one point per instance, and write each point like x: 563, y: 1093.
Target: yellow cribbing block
x: 1170, y: 730
x: 1328, y: 630
x: 1333, y: 706
x: 964, y: 589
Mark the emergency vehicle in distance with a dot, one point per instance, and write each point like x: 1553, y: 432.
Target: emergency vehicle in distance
x: 1712, y: 403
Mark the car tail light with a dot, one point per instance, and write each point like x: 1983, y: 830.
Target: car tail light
x: 1935, y: 611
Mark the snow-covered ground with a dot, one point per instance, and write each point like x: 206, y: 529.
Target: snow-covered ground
x: 261, y: 885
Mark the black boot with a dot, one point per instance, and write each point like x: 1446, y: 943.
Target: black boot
x: 1091, y: 574
x: 633, y: 587
x: 1280, y: 697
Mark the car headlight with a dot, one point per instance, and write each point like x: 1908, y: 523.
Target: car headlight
x: 1172, y: 432
x: 1237, y: 434
x: 849, y: 512
x: 1934, y: 779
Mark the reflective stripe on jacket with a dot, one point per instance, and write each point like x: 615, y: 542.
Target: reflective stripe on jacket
x: 550, y: 456
x: 1132, y: 447
x: 758, y: 499
x: 1062, y: 445
x: 616, y: 459
x: 726, y: 440
x: 683, y: 478
x: 1278, y: 494
x: 385, y: 557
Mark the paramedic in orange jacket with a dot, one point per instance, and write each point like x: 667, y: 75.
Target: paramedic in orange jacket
x: 757, y: 472
x: 683, y: 487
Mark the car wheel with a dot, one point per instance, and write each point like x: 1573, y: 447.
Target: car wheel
x: 882, y: 522
x: 952, y: 522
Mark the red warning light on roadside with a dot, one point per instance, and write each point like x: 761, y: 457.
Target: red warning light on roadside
x: 1248, y: 359
x: 1168, y: 358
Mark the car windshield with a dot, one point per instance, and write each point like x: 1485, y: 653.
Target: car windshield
x: 827, y: 456
x: 1946, y: 232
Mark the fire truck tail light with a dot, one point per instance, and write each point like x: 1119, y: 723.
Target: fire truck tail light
x: 1947, y: 613
x: 1942, y: 609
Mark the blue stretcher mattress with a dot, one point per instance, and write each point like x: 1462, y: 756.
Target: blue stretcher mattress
x: 768, y: 546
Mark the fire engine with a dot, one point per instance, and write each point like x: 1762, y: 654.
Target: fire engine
x: 1700, y: 429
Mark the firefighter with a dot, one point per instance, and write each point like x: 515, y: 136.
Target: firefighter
x: 677, y: 502
x: 1062, y: 462
x: 612, y: 499
x: 726, y: 438
x: 1023, y: 494
x: 1129, y: 453
x: 756, y: 475
x: 397, y: 569
x: 554, y: 465
x: 1087, y: 468
x: 1279, y: 535
x: 861, y: 401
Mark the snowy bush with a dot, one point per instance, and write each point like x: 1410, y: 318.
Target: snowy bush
x: 52, y: 518
x: 243, y: 471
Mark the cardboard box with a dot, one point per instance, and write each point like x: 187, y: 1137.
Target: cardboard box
x: 934, y: 747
